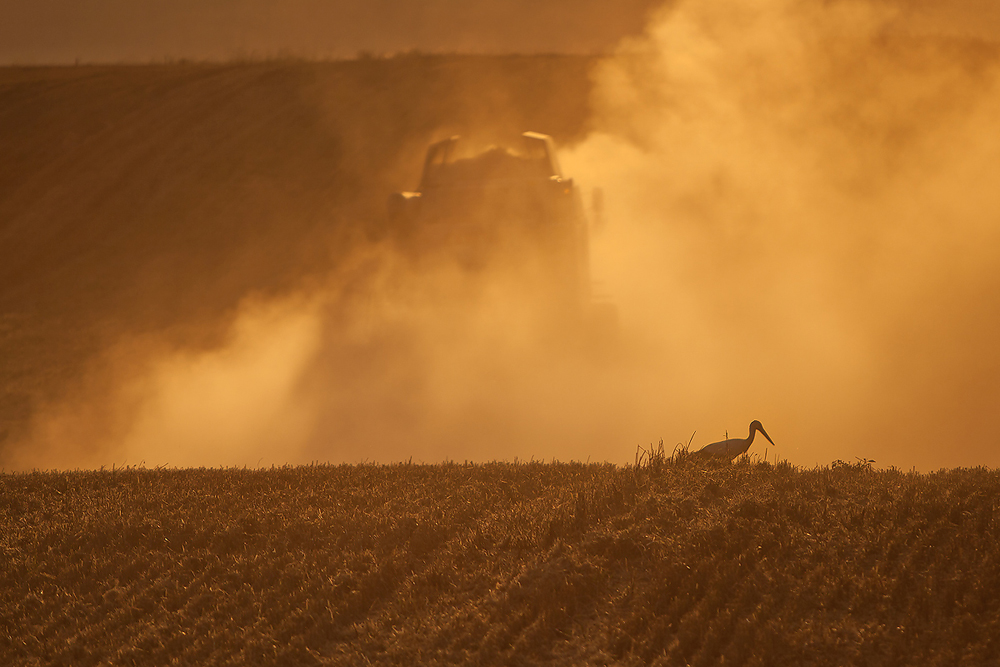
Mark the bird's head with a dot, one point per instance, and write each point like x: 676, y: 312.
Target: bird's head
x: 756, y: 426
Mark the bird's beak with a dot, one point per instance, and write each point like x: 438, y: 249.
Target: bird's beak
x: 764, y: 433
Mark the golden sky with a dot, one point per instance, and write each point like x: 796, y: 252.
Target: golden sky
x: 51, y: 31
x: 33, y: 31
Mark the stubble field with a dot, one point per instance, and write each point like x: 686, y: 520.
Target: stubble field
x: 501, y: 564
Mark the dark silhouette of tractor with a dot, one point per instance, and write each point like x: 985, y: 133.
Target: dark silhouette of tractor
x: 501, y: 209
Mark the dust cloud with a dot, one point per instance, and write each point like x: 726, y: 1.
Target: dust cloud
x: 804, y: 228
x: 145, y: 403
x: 395, y: 355
x: 800, y: 226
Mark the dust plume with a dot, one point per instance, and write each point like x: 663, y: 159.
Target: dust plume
x: 799, y: 226
x: 392, y: 356
x: 145, y: 403
x: 804, y: 227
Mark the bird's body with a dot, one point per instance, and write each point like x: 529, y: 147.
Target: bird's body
x: 733, y: 447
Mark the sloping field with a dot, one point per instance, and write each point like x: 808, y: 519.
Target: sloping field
x: 501, y: 564
x: 154, y: 198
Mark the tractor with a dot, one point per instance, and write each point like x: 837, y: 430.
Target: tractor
x: 503, y: 210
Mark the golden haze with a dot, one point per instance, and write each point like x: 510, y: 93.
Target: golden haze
x: 801, y: 228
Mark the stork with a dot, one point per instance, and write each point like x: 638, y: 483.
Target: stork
x: 733, y: 447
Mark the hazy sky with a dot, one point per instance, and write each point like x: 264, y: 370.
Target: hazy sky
x: 46, y: 31
x: 800, y: 228
x: 34, y: 31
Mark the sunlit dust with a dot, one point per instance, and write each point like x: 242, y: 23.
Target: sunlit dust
x: 241, y: 405
x: 800, y: 225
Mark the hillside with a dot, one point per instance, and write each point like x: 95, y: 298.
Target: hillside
x: 501, y: 564
x: 141, y: 199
